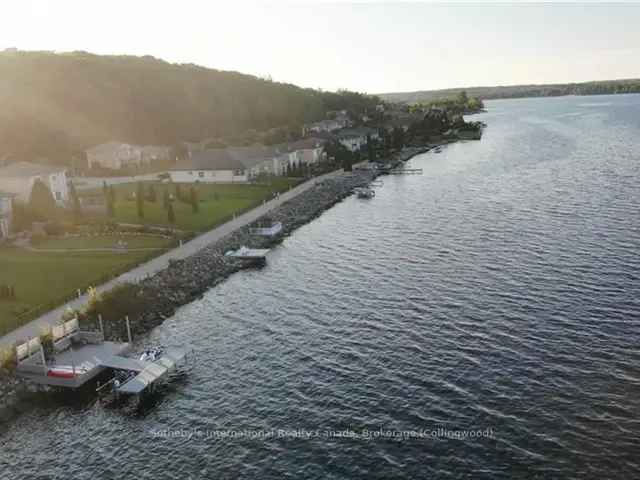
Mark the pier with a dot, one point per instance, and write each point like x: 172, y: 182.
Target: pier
x: 80, y: 356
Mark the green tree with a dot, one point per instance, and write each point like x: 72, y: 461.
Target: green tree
x: 193, y: 197
x: 151, y: 194
x: 171, y: 215
x: 371, y: 149
x: 462, y: 98
x: 397, y: 138
x: 140, y: 201
x: 41, y: 201
x: 75, y: 202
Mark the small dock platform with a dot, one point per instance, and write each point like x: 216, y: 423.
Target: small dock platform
x: 270, y: 230
x: 404, y: 171
x: 150, y: 373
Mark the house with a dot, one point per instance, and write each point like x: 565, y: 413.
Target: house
x: 322, y: 126
x: 355, y: 139
x: 113, y: 155
x: 6, y: 214
x: 310, y: 150
x: 117, y: 155
x: 154, y: 153
x: 18, y: 179
x: 209, y: 166
x: 257, y: 159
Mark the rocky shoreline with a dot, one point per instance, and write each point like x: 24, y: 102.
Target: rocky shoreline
x: 187, y: 280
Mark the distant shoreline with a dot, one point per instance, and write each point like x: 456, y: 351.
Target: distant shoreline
x: 611, y: 87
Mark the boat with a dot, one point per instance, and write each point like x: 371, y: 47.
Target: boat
x: 245, y: 253
x: 151, y: 355
x: 365, y: 192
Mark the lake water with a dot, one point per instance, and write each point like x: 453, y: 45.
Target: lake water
x: 490, y: 306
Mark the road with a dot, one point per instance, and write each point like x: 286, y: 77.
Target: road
x: 35, y: 327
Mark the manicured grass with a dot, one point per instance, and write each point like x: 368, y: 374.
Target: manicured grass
x: 79, y: 243
x: 43, y: 280
x: 217, y: 203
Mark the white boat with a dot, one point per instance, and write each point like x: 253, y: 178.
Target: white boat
x: 151, y: 355
x: 245, y: 253
x: 365, y: 192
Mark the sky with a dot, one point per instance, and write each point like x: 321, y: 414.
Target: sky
x: 370, y: 47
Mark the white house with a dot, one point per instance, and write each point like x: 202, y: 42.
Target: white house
x: 310, y: 151
x: 154, y: 153
x: 18, y: 179
x: 209, y: 166
x: 113, y: 155
x: 338, y: 119
x: 355, y: 139
x: 6, y: 214
x: 258, y: 159
x: 117, y: 155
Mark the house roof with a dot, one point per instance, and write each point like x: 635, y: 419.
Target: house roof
x: 252, y: 155
x: 326, y: 136
x: 213, y: 159
x: 26, y: 170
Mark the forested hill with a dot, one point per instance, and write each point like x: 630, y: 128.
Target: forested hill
x: 519, y: 91
x: 55, y: 105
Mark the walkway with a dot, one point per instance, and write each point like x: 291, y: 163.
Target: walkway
x: 35, y: 327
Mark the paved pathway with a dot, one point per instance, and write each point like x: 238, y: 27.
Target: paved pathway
x: 35, y: 327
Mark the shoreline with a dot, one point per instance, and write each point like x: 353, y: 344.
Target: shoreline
x: 184, y: 280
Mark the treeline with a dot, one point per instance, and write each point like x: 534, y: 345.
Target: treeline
x: 520, y: 91
x: 56, y: 105
x: 460, y: 104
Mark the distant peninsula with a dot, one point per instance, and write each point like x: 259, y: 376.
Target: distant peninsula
x: 519, y: 91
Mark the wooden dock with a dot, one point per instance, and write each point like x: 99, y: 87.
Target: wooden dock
x: 79, y: 356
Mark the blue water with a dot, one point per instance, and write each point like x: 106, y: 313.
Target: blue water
x: 497, y: 293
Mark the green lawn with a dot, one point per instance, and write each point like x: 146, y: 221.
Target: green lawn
x: 75, y: 243
x: 218, y: 202
x: 43, y: 280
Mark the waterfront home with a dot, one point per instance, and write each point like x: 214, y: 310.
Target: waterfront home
x: 113, y: 155
x: 209, y: 166
x: 118, y: 155
x: 310, y: 151
x: 6, y: 214
x: 18, y: 179
x: 257, y: 159
x: 355, y: 139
